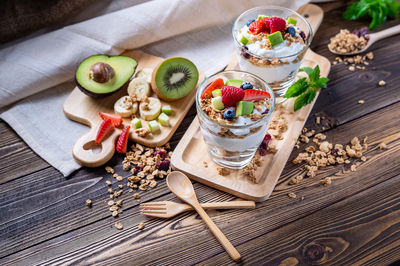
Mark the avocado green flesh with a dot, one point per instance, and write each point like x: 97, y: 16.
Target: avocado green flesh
x: 123, y: 66
x: 181, y: 75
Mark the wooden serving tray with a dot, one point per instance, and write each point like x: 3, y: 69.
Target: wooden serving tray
x: 191, y: 151
x: 85, y: 110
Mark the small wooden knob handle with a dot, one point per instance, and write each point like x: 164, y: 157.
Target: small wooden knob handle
x: 90, y: 154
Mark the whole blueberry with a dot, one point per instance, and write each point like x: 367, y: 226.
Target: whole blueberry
x: 229, y: 114
x: 291, y: 31
x: 247, y: 86
x: 249, y: 22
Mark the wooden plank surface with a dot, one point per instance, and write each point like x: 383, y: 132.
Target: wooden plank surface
x: 44, y: 219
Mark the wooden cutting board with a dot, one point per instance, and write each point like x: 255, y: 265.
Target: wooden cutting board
x: 191, y: 151
x: 85, y: 110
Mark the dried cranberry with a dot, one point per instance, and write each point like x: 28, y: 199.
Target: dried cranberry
x: 303, y: 35
x: 163, y: 165
x: 245, y: 55
x: 162, y: 154
x: 262, y: 151
x: 264, y: 145
x: 361, y: 32
x: 139, y: 168
x: 265, y: 112
x: 334, y: 152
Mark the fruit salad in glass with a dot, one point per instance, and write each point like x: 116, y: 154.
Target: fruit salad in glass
x: 272, y: 42
x: 234, y: 110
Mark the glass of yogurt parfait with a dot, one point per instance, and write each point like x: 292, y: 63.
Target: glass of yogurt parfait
x: 271, y: 42
x: 234, y: 110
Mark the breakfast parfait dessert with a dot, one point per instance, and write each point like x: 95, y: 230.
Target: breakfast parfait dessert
x: 234, y: 110
x: 272, y: 42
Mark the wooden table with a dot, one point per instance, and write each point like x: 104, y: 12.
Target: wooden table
x: 356, y: 219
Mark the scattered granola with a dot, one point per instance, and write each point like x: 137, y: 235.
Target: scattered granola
x: 141, y: 226
x: 88, y: 203
x: 361, y: 102
x: 292, y: 195
x: 325, y: 153
x: 382, y: 83
x: 250, y: 170
x: 355, y: 62
x: 326, y: 181
x: 118, y: 225
x: 223, y: 171
x: 109, y: 170
x: 382, y: 146
x: 205, y: 164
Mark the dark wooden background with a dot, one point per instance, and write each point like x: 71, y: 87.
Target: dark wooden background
x: 44, y: 219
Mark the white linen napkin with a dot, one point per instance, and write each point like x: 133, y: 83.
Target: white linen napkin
x: 197, y: 29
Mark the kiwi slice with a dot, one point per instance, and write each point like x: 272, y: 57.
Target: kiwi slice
x: 174, y: 78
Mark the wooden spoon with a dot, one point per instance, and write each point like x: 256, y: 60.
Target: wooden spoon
x: 373, y: 37
x: 181, y: 186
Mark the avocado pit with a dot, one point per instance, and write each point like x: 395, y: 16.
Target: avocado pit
x: 101, y: 72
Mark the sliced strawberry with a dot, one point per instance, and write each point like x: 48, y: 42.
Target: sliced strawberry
x: 216, y: 84
x: 105, y: 128
x: 231, y: 95
x: 257, y: 26
x: 277, y: 24
x: 115, y: 119
x: 122, y: 142
x: 255, y: 95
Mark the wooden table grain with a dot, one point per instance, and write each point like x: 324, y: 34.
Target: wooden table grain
x: 355, y: 220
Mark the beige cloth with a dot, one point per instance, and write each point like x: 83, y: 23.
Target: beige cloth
x: 197, y: 29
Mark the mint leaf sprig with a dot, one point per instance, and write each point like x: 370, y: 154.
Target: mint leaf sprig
x: 305, y: 90
x: 378, y: 10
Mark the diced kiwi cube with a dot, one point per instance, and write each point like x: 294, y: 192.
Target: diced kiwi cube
x: 136, y: 123
x: 166, y: 109
x: 216, y: 92
x: 275, y: 38
x: 234, y: 82
x: 217, y: 103
x: 261, y: 16
x: 163, y: 119
x: 244, y: 40
x: 244, y: 108
x: 154, y: 126
x: 292, y: 21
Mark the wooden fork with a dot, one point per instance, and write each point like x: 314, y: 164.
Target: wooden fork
x: 168, y: 209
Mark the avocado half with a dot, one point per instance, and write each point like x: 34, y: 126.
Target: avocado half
x: 122, y: 69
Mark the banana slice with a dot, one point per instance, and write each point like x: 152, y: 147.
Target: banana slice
x: 145, y: 73
x: 139, y: 87
x: 124, y: 106
x: 149, y: 110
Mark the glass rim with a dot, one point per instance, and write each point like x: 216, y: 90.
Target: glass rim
x: 239, y: 44
x: 204, y: 82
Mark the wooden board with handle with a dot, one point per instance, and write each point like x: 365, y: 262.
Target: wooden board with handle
x: 85, y: 110
x: 190, y: 156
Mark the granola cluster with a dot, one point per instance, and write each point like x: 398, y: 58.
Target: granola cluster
x: 250, y: 170
x: 346, y: 42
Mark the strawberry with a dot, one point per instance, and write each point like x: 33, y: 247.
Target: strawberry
x: 105, y: 128
x: 277, y: 24
x: 115, y: 119
x: 216, y: 84
x: 257, y: 26
x: 231, y: 95
x: 255, y: 95
x: 266, y: 22
x: 122, y: 142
